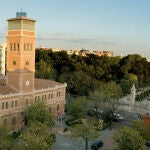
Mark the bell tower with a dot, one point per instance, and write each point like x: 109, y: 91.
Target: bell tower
x: 20, y: 62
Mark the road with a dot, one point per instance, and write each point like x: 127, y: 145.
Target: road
x: 67, y: 143
x: 64, y: 142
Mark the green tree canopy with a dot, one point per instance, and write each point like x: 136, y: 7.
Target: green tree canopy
x: 129, y: 139
x: 87, y: 131
x: 37, y: 112
x: 36, y: 137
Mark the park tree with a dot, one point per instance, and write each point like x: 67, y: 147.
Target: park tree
x: 44, y: 70
x: 129, y: 139
x: 6, y: 140
x: 37, y: 136
x: 76, y: 84
x: 127, y: 82
x: 38, y: 131
x: 37, y: 112
x: 86, y: 130
x: 105, y: 100
x: 75, y: 108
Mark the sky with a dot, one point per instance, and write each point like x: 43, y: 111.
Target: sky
x: 120, y: 26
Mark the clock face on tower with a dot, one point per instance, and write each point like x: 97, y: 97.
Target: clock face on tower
x: 27, y: 83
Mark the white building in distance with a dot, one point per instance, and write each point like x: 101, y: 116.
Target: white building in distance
x: 2, y: 58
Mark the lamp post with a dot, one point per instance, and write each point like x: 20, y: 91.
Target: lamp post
x: 110, y: 117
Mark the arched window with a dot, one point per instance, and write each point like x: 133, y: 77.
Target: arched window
x: 24, y: 47
x: 50, y: 109
x: 14, y: 46
x: 14, y: 121
x: 11, y: 46
x: 5, y: 122
x: 18, y: 47
x: 27, y: 47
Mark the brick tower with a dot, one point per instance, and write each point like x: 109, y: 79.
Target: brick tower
x: 20, y: 62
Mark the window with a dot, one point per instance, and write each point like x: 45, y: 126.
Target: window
x: 3, y: 105
x: 10, y: 46
x: 50, y: 109
x: 18, y: 46
x: 6, y: 105
x: 15, y: 103
x: 42, y: 97
x: 14, y: 62
x: 12, y: 104
x: 14, y: 121
x: 58, y: 93
x: 5, y: 122
x: 27, y: 100
x: 36, y: 98
x: 24, y: 47
x: 14, y: 46
x: 51, y: 95
x: 27, y: 47
x: 27, y: 62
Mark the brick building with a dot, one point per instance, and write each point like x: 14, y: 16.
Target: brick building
x: 19, y: 88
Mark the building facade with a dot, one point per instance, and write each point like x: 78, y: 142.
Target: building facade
x: 2, y: 58
x: 21, y: 88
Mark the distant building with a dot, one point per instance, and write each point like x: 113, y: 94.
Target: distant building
x: 2, y: 58
x: 19, y: 88
x: 81, y: 52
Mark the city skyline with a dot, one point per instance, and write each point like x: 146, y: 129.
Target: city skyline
x: 115, y: 25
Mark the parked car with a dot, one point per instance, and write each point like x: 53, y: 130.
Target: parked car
x: 118, y: 116
x: 96, y: 145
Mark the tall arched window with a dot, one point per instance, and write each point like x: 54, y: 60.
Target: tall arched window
x: 18, y: 47
x: 14, y: 46
x: 5, y: 122
x: 27, y: 47
x: 24, y: 47
x: 14, y: 121
x: 11, y: 46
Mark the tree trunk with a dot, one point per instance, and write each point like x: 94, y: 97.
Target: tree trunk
x: 86, y: 144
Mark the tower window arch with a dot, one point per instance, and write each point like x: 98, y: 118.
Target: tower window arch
x: 14, y: 62
x: 27, y: 47
x: 18, y: 47
x: 11, y: 46
x: 24, y: 47
x: 14, y: 46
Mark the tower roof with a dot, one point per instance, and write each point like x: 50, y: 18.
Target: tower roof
x: 21, y: 16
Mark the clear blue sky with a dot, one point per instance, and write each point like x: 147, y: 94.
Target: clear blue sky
x: 121, y: 26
